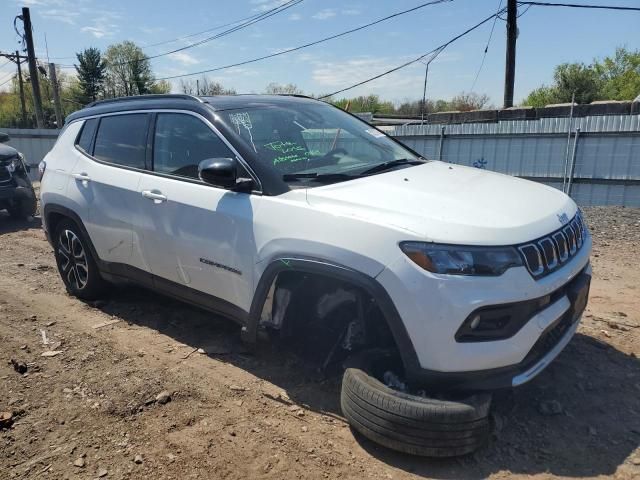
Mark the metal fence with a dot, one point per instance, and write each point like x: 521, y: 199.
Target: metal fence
x: 600, y: 160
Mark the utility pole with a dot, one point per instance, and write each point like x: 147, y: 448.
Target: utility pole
x: 33, y: 69
x: 56, y: 95
x: 510, y: 67
x: 17, y: 59
x: 22, y: 105
x: 423, y: 107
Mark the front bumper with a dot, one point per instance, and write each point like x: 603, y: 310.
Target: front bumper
x: 432, y: 308
x: 19, y: 193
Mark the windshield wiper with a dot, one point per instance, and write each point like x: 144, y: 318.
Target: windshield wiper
x: 317, y: 177
x: 381, y: 167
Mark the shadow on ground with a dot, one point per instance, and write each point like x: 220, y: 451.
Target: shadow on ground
x: 10, y: 225
x: 596, y: 386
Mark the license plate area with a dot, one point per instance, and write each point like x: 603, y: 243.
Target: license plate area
x: 578, y: 294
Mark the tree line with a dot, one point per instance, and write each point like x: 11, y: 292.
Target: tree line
x: 124, y: 70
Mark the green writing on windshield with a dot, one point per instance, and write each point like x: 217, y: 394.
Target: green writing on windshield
x: 291, y: 158
x: 290, y: 152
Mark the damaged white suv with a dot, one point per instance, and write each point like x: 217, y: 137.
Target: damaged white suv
x: 295, y: 218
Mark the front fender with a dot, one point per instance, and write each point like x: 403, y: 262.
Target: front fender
x: 342, y: 273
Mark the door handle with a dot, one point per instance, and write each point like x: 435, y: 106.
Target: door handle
x: 156, y: 196
x: 83, y: 177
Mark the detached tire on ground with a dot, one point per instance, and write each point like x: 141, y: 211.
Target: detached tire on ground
x: 409, y: 423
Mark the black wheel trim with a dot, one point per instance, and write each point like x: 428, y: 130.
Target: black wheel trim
x: 74, y: 267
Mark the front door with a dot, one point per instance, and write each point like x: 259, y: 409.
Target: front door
x: 193, y: 234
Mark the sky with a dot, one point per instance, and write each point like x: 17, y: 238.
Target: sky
x: 547, y: 36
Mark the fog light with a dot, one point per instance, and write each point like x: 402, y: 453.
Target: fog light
x: 475, y: 322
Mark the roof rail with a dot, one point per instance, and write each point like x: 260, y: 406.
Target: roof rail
x: 169, y: 96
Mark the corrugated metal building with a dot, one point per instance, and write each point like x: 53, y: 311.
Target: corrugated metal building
x: 605, y: 163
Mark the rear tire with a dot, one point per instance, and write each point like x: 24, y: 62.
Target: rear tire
x: 22, y: 209
x: 76, y: 265
x: 410, y: 423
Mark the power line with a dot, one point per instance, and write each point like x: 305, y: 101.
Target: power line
x: 525, y: 11
x: 218, y: 27
x: 486, y: 48
x: 249, y: 21
x: 578, y: 5
x: 395, y: 69
x: 263, y: 16
x: 306, y: 45
x: 7, y: 80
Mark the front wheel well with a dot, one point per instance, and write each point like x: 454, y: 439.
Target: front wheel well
x: 53, y: 219
x: 324, y: 318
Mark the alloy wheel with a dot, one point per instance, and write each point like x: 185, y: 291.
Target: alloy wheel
x: 73, y: 260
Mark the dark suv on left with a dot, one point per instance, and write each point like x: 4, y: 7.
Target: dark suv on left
x: 16, y: 191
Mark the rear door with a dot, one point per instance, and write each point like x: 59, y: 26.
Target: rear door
x: 107, y: 176
x: 193, y: 234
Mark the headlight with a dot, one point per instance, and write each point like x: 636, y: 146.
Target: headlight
x: 13, y: 165
x: 461, y: 260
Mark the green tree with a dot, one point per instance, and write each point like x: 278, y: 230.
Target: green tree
x: 620, y: 74
x: 91, y: 74
x: 541, y: 96
x: 128, y: 71
x: 204, y: 86
x: 465, y: 102
x: 612, y: 78
x: 11, y: 110
x: 289, y: 88
x: 568, y: 78
x: 365, y: 103
x: 161, y: 86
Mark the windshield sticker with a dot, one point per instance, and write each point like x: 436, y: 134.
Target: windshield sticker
x: 242, y: 119
x: 374, y: 133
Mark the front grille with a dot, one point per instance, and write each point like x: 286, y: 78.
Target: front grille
x: 547, y: 254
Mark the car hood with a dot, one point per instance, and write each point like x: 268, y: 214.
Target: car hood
x: 7, y: 152
x: 447, y: 203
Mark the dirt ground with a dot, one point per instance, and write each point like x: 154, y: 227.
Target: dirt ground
x: 91, y: 410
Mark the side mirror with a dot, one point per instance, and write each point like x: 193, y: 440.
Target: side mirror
x: 4, y: 137
x: 223, y: 172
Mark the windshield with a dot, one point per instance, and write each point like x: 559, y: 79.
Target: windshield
x: 304, y: 140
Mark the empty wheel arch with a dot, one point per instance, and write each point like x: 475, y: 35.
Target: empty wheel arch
x: 327, y: 311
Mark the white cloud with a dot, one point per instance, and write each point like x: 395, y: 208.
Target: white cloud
x: 336, y: 75
x: 97, y: 32
x: 103, y: 22
x: 351, y: 11
x: 280, y: 50
x: 61, y: 15
x: 40, y: 3
x: 151, y: 30
x: 295, y: 17
x: 264, y: 5
x: 324, y: 14
x: 184, y: 58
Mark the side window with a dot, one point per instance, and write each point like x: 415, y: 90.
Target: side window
x: 86, y: 135
x: 122, y: 139
x: 181, y: 142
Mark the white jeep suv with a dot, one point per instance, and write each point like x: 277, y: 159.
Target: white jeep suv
x: 291, y: 216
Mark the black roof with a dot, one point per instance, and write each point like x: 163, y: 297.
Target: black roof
x: 232, y: 102
x: 180, y: 101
